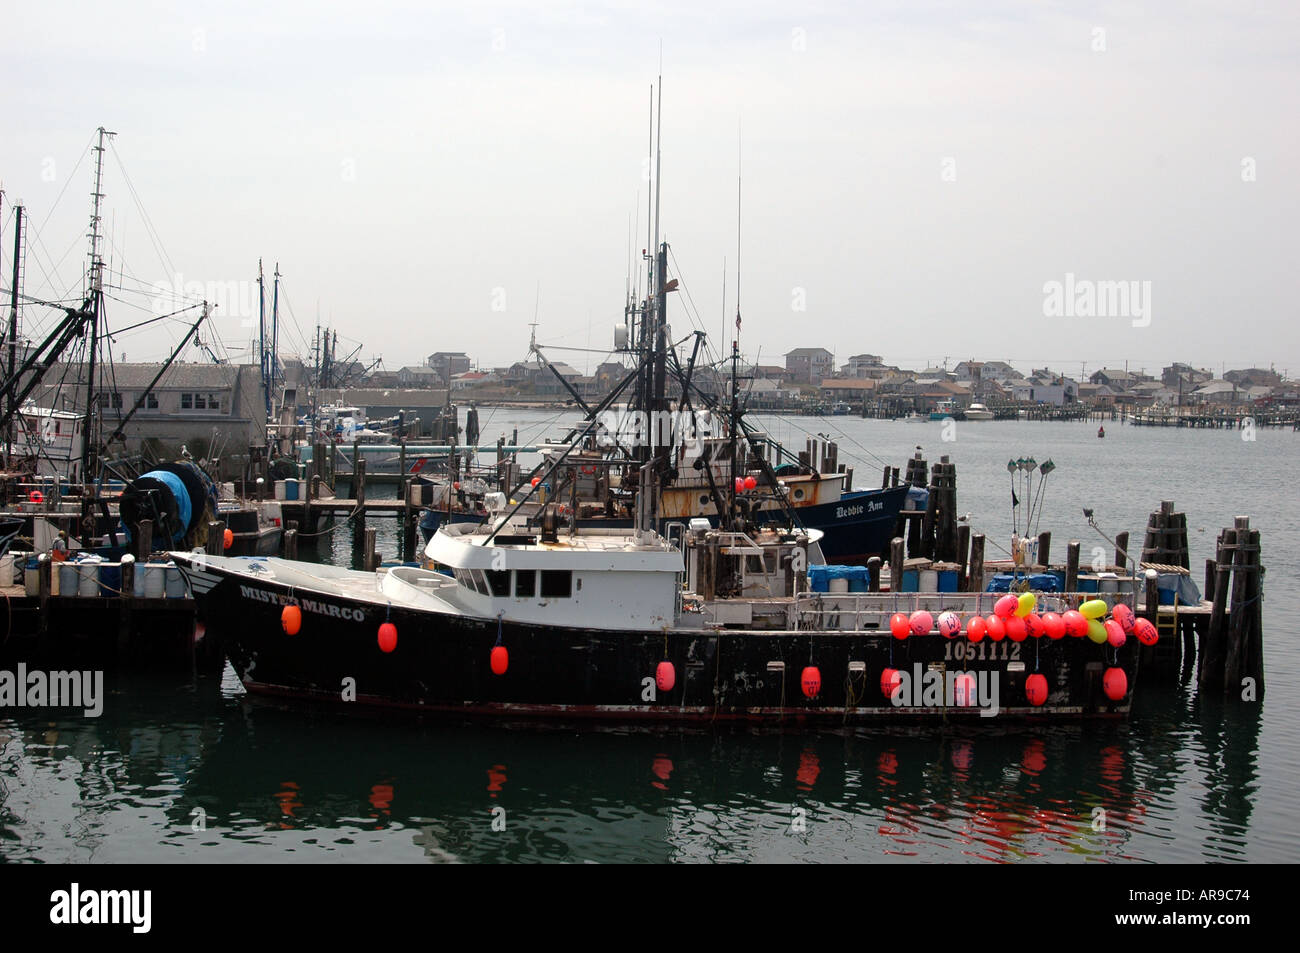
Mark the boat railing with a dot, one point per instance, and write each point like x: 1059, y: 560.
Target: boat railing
x: 866, y: 611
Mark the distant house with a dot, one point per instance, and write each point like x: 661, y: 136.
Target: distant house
x: 1254, y: 377
x: 1117, y: 381
x: 1096, y: 395
x: 865, y: 366
x: 1043, y: 389
x: 471, y: 379
x: 848, y: 388
x: 449, y: 362
x: 808, y: 365
x: 418, y: 376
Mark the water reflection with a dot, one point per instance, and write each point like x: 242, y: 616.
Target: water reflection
x: 201, y: 776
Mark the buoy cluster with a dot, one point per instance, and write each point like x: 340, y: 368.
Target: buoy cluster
x: 1014, y: 618
x: 745, y: 483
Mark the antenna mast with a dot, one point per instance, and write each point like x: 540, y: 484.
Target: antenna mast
x: 95, y: 301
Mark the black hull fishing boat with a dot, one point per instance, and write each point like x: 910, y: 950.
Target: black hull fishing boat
x: 531, y: 613
x: 713, y: 643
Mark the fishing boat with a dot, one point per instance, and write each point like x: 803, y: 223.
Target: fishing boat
x: 529, y: 613
x: 978, y: 412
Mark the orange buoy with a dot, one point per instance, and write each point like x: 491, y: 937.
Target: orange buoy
x: 665, y: 676
x: 750, y: 482
x: 1034, y: 626
x: 387, y: 637
x: 900, y: 625
x: 1075, y: 624
x: 1145, y: 631
x: 1036, y: 689
x: 499, y: 660
x: 976, y: 628
x: 996, y: 628
x: 811, y: 681
x: 1054, y: 626
x: 890, y: 681
x: 1114, y: 683
x: 227, y: 539
x: 740, y: 485
x: 291, y: 620
x: 1015, y: 626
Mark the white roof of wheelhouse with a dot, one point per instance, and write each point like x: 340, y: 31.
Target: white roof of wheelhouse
x: 465, y: 546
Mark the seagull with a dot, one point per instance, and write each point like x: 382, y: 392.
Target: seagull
x: 185, y: 453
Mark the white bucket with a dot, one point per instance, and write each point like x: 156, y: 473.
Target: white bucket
x: 31, y: 579
x: 279, y: 489
x: 6, y: 570
x: 153, y: 580
x: 175, y: 584
x: 88, y: 577
x: 839, y: 585
x: 66, y: 579
x: 928, y: 580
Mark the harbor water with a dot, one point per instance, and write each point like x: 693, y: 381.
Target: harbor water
x: 177, y: 770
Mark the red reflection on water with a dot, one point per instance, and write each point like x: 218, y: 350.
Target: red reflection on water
x: 287, y: 798
x: 496, y: 779
x: 1034, y: 759
x: 661, y: 768
x: 810, y: 767
x: 381, y: 797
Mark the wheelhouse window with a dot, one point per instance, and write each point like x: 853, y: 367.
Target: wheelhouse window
x: 526, y: 583
x: 557, y: 584
x: 499, y: 581
x: 480, y: 583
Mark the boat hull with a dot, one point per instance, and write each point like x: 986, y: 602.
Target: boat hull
x: 441, y: 663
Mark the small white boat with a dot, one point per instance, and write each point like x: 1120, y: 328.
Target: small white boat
x: 978, y: 412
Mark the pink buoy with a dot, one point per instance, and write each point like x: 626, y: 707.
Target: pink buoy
x: 1115, y: 633
x: 1124, y: 616
x: 922, y: 622
x: 1114, y: 683
x: 890, y: 681
x: 811, y: 681
x: 963, y: 691
x: 1006, y: 607
x: 1054, y: 625
x: 1036, y: 689
x: 665, y: 676
x: 976, y: 628
x: 949, y: 624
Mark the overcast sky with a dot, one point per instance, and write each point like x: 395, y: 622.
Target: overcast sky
x: 914, y: 174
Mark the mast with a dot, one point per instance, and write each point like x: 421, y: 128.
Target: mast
x: 96, y: 302
x: 261, y: 336
x: 13, y: 315
x: 275, y: 329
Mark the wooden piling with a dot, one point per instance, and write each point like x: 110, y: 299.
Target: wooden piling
x: 896, y: 564
x: 44, y: 583
x: 1213, y: 645
x: 371, y: 562
x: 216, y: 545
x: 1072, y: 566
x: 1121, y: 551
x: 1045, y: 548
x: 963, y: 553
x: 975, y: 576
x: 873, y: 572
x: 291, y: 540
x: 127, y: 603
x: 1151, y: 597
x: 359, y: 494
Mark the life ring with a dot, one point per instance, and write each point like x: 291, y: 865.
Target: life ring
x: 589, y: 470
